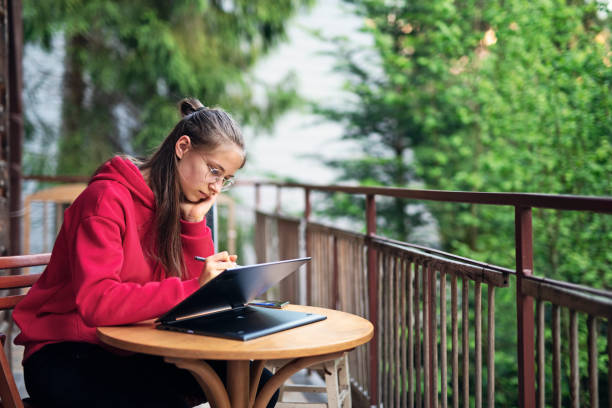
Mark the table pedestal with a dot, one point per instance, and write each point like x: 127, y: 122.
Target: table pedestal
x: 243, y: 379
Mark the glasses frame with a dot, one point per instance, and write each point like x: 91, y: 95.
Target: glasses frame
x: 215, y: 176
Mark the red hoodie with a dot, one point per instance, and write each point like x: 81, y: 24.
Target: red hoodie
x: 99, y: 273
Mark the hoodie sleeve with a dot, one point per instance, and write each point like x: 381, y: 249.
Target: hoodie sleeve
x: 102, y: 298
x: 196, y: 238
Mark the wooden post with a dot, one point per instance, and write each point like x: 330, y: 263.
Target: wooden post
x: 524, y: 308
x: 15, y: 48
x: 373, y: 296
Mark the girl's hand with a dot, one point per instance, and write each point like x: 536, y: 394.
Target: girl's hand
x: 196, y: 211
x: 215, y: 264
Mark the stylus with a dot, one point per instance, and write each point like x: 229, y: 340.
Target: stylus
x: 199, y: 258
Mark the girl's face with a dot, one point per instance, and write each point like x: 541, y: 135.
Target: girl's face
x: 201, y: 173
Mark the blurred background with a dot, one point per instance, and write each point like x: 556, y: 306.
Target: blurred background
x: 489, y: 96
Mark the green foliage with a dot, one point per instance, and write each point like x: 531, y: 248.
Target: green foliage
x: 488, y: 96
x: 138, y: 58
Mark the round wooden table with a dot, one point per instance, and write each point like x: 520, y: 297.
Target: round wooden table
x: 306, y: 345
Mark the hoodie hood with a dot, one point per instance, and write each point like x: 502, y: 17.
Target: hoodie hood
x: 123, y: 171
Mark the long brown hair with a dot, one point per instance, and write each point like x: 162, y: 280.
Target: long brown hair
x: 207, y: 128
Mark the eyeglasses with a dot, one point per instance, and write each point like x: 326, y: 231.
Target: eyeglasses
x: 215, y: 176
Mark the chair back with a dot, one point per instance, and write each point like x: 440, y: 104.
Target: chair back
x: 14, y: 279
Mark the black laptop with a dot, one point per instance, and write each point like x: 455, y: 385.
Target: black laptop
x: 220, y: 307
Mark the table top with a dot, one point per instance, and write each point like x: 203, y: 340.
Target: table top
x: 340, y: 331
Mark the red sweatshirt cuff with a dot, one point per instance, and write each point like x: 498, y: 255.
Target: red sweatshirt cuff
x: 194, y: 229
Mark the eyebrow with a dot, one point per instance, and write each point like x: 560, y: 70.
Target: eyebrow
x: 217, y: 166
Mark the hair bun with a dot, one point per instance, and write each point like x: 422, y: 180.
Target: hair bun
x: 188, y: 106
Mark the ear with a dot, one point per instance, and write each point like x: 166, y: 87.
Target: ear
x: 182, y: 146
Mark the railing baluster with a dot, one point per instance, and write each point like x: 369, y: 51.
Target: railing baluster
x: 478, y: 343
x: 361, y: 295
x: 417, y: 334
x: 399, y: 296
x: 443, y: 354
x: 455, y: 341
x: 382, y: 324
x: 426, y: 322
x: 411, y: 330
x: 491, y: 347
x: 593, y: 388
x: 365, y: 305
x: 465, y: 342
x: 390, y: 329
x: 405, y: 304
x: 574, y: 370
x: 335, y: 289
x: 377, y: 363
x: 556, y: 328
x: 541, y: 360
x: 433, y: 340
x: 610, y: 362
x: 45, y: 227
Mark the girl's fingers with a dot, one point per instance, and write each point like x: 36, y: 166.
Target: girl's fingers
x: 224, y: 265
x: 219, y: 257
x: 215, y: 267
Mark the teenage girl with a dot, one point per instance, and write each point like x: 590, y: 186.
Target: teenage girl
x: 125, y: 253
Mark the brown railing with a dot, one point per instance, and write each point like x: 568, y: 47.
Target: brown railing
x: 421, y: 300
x: 411, y: 294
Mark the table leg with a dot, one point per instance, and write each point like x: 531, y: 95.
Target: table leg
x: 207, y: 378
x: 287, y: 371
x: 238, y: 373
x: 257, y: 368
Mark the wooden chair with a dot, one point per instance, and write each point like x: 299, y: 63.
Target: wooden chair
x: 337, y: 384
x: 9, y: 394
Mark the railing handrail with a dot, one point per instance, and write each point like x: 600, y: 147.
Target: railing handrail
x: 56, y: 179
x: 600, y: 204
x: 443, y: 254
x: 570, y: 286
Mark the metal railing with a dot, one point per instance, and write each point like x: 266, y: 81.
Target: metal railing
x: 419, y: 298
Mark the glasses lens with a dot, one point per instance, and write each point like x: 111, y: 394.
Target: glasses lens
x: 227, y: 184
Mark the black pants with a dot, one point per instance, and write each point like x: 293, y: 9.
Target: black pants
x: 73, y: 374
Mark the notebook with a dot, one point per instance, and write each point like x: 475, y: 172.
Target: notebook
x: 220, y: 307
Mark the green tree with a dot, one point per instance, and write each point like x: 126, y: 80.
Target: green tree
x: 489, y: 96
x: 135, y: 59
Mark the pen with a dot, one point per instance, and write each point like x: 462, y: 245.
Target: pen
x: 199, y: 258
x: 264, y: 303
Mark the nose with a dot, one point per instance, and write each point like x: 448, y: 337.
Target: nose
x: 215, y: 186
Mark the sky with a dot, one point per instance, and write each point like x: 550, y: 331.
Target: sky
x: 299, y: 139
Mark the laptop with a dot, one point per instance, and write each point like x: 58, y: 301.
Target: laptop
x: 220, y: 308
